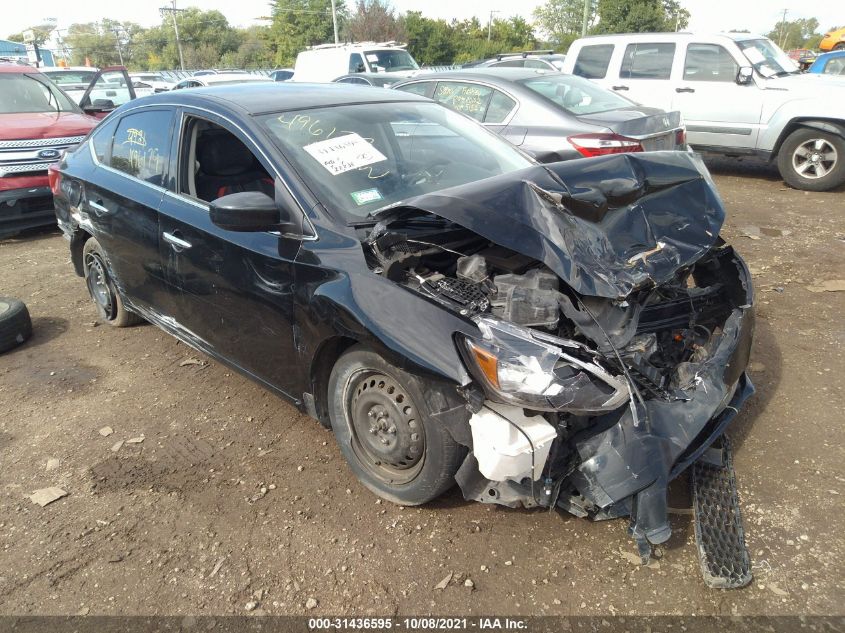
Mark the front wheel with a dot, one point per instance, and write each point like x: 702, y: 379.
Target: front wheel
x: 383, y: 427
x: 103, y: 292
x: 812, y: 160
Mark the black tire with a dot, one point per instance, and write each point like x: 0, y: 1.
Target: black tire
x: 15, y: 324
x: 409, y: 458
x: 103, y: 292
x: 812, y: 160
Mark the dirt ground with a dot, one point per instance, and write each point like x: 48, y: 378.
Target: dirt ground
x: 234, y: 498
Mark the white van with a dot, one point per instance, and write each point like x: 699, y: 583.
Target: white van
x: 326, y: 62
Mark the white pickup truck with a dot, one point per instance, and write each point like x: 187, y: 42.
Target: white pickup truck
x: 739, y: 95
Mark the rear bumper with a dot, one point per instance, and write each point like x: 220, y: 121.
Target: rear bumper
x: 26, y: 208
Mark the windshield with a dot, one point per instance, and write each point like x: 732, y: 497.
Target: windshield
x: 361, y: 158
x: 71, y: 77
x: 767, y: 58
x: 391, y: 60
x: 27, y: 93
x: 574, y: 94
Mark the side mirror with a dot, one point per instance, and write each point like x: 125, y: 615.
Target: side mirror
x: 744, y: 76
x: 247, y: 211
x: 100, y: 105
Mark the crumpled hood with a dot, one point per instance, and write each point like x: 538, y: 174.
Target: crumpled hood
x: 606, y: 225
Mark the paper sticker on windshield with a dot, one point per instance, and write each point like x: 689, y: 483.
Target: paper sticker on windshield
x: 366, y: 196
x: 344, y: 153
x: 372, y: 57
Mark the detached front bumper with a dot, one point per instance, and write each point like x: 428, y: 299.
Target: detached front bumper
x: 25, y: 205
x: 625, y: 469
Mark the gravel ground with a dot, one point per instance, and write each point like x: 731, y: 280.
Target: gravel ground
x: 230, y: 501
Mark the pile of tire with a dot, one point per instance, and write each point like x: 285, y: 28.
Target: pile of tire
x: 15, y: 324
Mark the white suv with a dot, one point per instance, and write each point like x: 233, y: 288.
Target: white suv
x: 739, y: 95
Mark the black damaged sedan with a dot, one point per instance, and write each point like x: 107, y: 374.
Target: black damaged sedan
x: 572, y: 335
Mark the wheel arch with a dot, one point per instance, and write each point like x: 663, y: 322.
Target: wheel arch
x: 77, y: 245
x: 321, y: 369
x: 831, y: 126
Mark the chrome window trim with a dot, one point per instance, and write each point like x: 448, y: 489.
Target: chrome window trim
x: 311, y: 238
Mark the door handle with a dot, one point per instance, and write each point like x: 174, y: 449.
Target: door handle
x: 98, y: 207
x: 684, y: 89
x: 175, y: 241
x: 620, y: 87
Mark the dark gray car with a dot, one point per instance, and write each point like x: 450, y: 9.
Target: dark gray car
x: 552, y: 116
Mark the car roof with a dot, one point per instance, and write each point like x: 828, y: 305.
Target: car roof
x: 220, y: 77
x: 17, y: 68
x: 504, y: 76
x: 278, y: 96
x: 670, y: 36
x: 831, y: 55
x: 66, y: 68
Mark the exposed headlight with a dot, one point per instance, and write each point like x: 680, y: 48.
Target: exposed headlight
x: 524, y: 368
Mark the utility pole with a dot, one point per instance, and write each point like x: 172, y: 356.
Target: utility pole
x: 782, y: 26
x: 586, y: 19
x: 116, y: 31
x: 334, y: 21
x: 172, y: 10
x: 490, y: 25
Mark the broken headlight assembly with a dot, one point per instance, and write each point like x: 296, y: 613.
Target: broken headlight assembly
x: 521, y: 367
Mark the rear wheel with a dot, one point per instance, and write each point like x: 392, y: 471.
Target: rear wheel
x: 812, y: 160
x: 103, y: 292
x: 383, y: 427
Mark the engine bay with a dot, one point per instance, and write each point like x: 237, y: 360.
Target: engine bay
x: 646, y: 335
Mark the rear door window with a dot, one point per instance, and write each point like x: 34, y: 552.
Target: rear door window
x: 647, y: 61
x: 500, y: 107
x: 592, y: 61
x: 709, y: 62
x: 102, y: 139
x: 419, y: 88
x: 141, y: 145
x: 469, y: 99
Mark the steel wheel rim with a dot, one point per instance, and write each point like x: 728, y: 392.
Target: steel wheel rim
x: 99, y: 286
x: 814, y: 158
x: 387, y: 435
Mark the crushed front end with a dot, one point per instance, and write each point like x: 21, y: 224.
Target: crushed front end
x: 614, y: 329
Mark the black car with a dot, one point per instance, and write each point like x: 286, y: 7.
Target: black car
x: 551, y: 115
x: 571, y: 335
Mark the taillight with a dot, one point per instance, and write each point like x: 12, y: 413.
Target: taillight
x: 602, y: 144
x: 55, y: 178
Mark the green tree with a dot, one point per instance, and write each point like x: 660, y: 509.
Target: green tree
x: 429, y: 41
x: 801, y: 33
x: 297, y: 24
x: 562, y: 20
x: 102, y: 43
x: 640, y: 16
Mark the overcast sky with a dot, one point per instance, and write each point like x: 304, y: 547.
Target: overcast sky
x: 707, y: 15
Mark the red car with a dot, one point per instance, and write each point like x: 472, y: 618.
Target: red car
x: 38, y: 122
